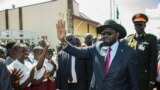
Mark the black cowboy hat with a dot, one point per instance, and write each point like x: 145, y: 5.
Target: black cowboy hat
x: 112, y: 24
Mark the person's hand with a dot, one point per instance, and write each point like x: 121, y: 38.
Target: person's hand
x: 61, y: 32
x: 52, y: 78
x: 46, y: 74
x: 15, y: 76
x: 46, y: 42
x: 32, y: 73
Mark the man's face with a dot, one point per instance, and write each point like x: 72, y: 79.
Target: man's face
x: 139, y: 27
x: 70, y: 39
x: 88, y: 40
x: 109, y: 36
x: 77, y: 42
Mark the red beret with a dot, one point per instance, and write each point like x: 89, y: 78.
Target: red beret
x: 140, y: 17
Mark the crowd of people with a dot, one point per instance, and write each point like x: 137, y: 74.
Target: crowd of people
x: 112, y: 62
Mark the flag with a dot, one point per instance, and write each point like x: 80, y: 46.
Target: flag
x: 117, y: 13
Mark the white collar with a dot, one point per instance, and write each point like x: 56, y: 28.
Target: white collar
x: 115, y: 45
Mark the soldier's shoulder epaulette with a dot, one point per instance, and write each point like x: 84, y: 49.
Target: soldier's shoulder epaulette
x: 130, y: 35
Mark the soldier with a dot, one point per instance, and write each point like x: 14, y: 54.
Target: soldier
x: 146, y: 47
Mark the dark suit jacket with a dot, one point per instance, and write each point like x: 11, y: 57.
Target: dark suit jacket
x: 81, y: 72
x: 123, y: 72
x: 5, y: 82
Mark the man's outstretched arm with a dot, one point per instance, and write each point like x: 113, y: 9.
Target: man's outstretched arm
x: 61, y: 35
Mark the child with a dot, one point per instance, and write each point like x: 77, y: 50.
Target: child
x: 27, y: 69
x: 43, y: 79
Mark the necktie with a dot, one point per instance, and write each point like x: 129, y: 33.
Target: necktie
x: 107, y: 60
x: 70, y: 69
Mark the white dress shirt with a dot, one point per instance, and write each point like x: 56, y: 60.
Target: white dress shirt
x: 113, y: 52
x: 114, y: 48
x: 74, y: 76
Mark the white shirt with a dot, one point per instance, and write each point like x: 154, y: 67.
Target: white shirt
x: 9, y: 60
x: 46, y: 66
x: 114, y: 48
x: 74, y: 76
x: 31, y: 59
x: 113, y: 52
x: 25, y: 68
x: 39, y: 73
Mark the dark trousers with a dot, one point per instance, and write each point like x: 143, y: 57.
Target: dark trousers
x: 157, y: 85
x: 72, y: 86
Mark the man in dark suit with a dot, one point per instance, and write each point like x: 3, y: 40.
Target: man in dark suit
x: 72, y: 71
x: 146, y: 47
x: 114, y: 64
x: 5, y: 82
x: 88, y: 40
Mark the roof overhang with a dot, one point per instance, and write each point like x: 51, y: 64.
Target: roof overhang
x: 94, y: 23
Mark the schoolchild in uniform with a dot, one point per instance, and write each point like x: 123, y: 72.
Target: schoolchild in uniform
x: 51, y: 66
x: 27, y: 69
x: 43, y: 79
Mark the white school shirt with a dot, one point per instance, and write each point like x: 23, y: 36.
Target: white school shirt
x: 25, y: 68
x: 46, y: 66
x: 33, y: 61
